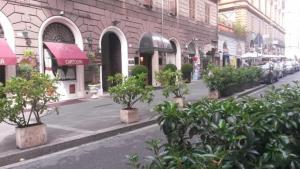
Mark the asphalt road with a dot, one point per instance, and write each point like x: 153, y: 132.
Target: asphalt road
x: 110, y: 153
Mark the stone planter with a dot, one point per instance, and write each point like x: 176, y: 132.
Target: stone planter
x: 129, y: 115
x: 214, y: 94
x: 94, y: 89
x: 31, y: 136
x: 179, y: 101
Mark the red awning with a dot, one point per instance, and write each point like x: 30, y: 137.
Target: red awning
x: 7, y: 57
x: 67, y: 54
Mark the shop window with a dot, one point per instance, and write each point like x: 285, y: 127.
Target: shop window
x: 148, y: 3
x: 192, y: 8
x: 207, y: 13
x: 173, y: 7
x: 63, y: 73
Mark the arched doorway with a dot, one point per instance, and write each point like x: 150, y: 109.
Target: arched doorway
x: 61, y: 55
x: 176, y: 54
x: 111, y: 57
x: 113, y: 33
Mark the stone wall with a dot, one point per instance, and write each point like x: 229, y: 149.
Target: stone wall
x: 93, y: 16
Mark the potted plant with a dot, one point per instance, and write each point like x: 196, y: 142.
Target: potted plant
x: 187, y: 70
x: 172, y: 82
x: 94, y: 85
x: 127, y: 91
x: 27, y: 100
x: 140, y: 69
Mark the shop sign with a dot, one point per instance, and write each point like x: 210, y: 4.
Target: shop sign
x: 73, y: 62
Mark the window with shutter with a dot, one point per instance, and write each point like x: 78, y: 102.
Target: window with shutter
x: 207, y: 13
x: 148, y: 3
x: 192, y: 6
x: 173, y: 7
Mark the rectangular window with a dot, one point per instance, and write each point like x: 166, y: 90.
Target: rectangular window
x: 173, y: 7
x: 192, y: 8
x: 207, y: 13
x: 148, y: 3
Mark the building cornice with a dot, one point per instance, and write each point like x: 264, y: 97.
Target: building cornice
x: 244, y: 4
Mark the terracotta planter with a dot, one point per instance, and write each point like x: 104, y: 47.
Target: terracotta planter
x: 179, y: 101
x: 31, y: 136
x: 214, y: 94
x: 129, y: 115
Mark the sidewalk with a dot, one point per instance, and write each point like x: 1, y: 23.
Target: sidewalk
x: 89, y: 116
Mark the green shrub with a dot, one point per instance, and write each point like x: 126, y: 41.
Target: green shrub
x: 129, y: 90
x: 187, y: 70
x: 229, y: 79
x: 251, y: 133
x: 139, y: 69
x: 172, y: 82
x: 25, y: 70
x: 171, y: 67
x: 37, y: 92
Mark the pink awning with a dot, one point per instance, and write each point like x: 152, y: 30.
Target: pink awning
x: 7, y: 56
x: 67, y: 54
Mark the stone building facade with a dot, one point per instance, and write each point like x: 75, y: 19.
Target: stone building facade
x: 263, y: 21
x: 107, y: 32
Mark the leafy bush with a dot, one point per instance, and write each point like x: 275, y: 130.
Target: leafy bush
x: 172, y: 82
x: 187, y: 70
x: 251, y: 133
x: 227, y: 79
x: 171, y: 67
x: 25, y: 71
x: 129, y: 90
x: 139, y: 69
x: 36, y: 92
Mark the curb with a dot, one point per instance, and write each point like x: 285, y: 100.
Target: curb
x: 70, y: 142
x: 14, y: 157
x: 246, y: 92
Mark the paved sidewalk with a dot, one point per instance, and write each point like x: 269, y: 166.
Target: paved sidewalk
x: 88, y: 116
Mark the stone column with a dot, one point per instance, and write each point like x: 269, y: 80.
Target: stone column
x: 155, y: 68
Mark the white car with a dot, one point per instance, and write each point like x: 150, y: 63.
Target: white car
x: 279, y: 68
x: 290, y: 68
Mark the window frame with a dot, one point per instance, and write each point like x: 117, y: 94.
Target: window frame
x: 192, y: 9
x: 207, y: 13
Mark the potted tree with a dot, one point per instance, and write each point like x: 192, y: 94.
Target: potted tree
x: 127, y: 91
x: 26, y: 99
x: 94, y: 85
x: 140, y: 69
x: 172, y: 82
x: 187, y: 70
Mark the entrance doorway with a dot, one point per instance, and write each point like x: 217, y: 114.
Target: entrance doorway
x: 146, y: 60
x: 2, y: 74
x: 111, y: 57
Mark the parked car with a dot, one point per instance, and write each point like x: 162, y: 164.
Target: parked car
x: 279, y: 67
x: 290, y: 68
x: 270, y: 75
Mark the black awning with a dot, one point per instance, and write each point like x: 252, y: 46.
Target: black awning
x: 151, y: 42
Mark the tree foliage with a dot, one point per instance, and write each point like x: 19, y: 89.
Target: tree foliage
x: 26, y: 99
x: 129, y: 90
x: 172, y: 82
x: 251, y: 133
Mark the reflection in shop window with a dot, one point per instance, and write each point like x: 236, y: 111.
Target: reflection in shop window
x: 63, y: 73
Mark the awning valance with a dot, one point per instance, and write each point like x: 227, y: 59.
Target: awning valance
x: 7, y: 57
x: 151, y: 42
x: 67, y: 54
